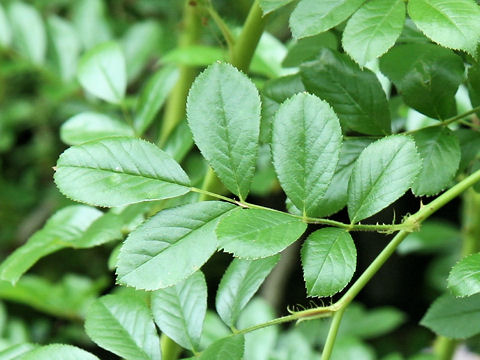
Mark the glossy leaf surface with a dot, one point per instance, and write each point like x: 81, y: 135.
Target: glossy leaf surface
x: 464, y: 279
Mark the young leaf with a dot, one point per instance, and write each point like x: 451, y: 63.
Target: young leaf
x: 355, y: 95
x: 329, y: 260
x: 464, y: 279
x: 170, y: 246
x: 439, y: 150
x: 140, y: 43
x: 223, y: 111
x: 311, y: 17
x: 62, y: 230
x: 153, y: 97
x: 90, y: 126
x: 123, y: 325
x: 102, y: 72
x: 306, y: 140
x: 373, y: 29
x: 239, y: 283
x: 5, y: 30
x: 28, y: 31
x: 121, y: 171
x: 269, y: 6
x: 66, y: 44
x: 179, y: 310
x: 256, y: 233
x: 418, y: 72
x: 58, y: 352
x: 383, y: 172
x: 455, y: 318
x: 450, y: 23
x: 230, y: 348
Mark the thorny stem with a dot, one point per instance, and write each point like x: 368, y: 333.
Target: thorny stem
x: 339, y: 307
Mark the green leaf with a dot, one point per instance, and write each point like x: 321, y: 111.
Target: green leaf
x: 351, y: 348
x: 261, y: 343
x: 28, y: 29
x: 464, y: 279
x: 329, y: 259
x: 90, y: 126
x: 450, y: 23
x: 384, y: 171
x: 180, y: 142
x: 153, y: 96
x: 213, y: 329
x: 275, y: 92
x: 470, y: 147
x: 223, y: 111
x: 89, y: 18
x: 58, y: 352
x: 179, y: 311
x: 15, y: 351
x: 102, y: 72
x: 419, y: 73
x: 140, y: 43
x: 5, y: 30
x: 170, y: 246
x: 240, y: 282
x: 309, y: 48
x: 121, y: 171
x: 62, y: 230
x: 336, y: 197
x: 373, y: 29
x: 257, y: 233
x: 123, y: 325
x: 439, y: 150
x: 66, y: 45
x: 269, y: 6
x: 455, y: 318
x: 306, y: 144
x: 434, y: 237
x: 473, y: 84
x: 311, y: 17
x: 230, y: 348
x: 355, y: 95
x: 66, y: 299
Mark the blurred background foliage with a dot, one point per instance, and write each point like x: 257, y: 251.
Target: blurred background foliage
x: 39, y: 92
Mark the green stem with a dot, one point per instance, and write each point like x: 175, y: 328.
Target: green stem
x: 249, y: 37
x: 175, y: 107
x: 332, y: 334
x: 170, y: 349
x: 224, y: 29
x: 444, y: 348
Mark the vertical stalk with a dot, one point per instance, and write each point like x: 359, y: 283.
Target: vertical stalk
x: 170, y: 349
x: 175, y: 107
x: 444, y: 348
x: 332, y: 334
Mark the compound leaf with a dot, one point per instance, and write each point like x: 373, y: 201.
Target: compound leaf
x: 170, y: 246
x: 373, y: 29
x: 257, y: 233
x: 102, y: 72
x: 383, y: 172
x: 464, y: 279
x: 329, y: 260
x: 123, y: 325
x: 306, y: 141
x: 120, y: 171
x: 239, y: 283
x: 179, y: 310
x: 223, y: 111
